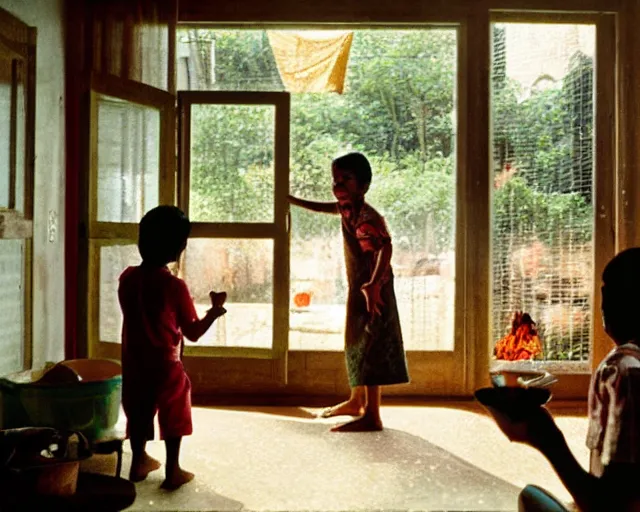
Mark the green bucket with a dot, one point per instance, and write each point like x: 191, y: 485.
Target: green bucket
x: 91, y: 407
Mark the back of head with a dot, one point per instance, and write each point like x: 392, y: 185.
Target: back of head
x: 621, y: 297
x: 358, y: 164
x: 163, y: 234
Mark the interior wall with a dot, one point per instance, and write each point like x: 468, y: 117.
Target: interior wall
x: 48, y: 229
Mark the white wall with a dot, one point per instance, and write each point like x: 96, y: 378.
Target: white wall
x: 48, y: 270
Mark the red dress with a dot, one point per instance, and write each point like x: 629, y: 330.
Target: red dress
x: 155, y: 305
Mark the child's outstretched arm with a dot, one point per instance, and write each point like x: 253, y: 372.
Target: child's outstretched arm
x: 191, y: 326
x: 614, y: 490
x: 193, y: 331
x: 314, y: 206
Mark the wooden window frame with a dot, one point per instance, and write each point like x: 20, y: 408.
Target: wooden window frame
x: 19, y: 41
x: 470, y: 312
x: 575, y: 377
x: 277, y: 230
x: 104, y: 234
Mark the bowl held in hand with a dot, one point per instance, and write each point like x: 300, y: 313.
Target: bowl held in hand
x: 514, y: 402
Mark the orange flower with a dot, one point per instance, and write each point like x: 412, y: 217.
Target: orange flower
x: 522, y: 342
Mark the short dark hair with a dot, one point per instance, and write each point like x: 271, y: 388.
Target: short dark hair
x: 623, y: 271
x: 620, y: 299
x: 163, y: 234
x: 358, y: 164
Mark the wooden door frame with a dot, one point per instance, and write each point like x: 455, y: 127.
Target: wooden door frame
x: 454, y: 376
x: 573, y: 383
x: 274, y: 360
x: 473, y: 266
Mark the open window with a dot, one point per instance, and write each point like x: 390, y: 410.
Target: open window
x: 417, y: 151
x: 553, y: 207
x: 131, y: 171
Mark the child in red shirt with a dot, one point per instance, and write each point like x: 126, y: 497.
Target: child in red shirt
x: 157, y: 312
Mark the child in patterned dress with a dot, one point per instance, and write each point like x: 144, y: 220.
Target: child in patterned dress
x: 374, y: 349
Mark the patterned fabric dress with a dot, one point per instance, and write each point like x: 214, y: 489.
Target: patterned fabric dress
x: 614, y: 412
x: 373, y: 348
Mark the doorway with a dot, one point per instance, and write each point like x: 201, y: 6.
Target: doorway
x: 400, y: 112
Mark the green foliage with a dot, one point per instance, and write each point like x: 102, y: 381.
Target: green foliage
x: 401, y: 87
x: 548, y: 136
x: 230, y: 179
x: 399, y: 110
x: 414, y: 197
x: 520, y: 211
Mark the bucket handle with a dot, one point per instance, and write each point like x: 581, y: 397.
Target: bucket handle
x: 55, y: 436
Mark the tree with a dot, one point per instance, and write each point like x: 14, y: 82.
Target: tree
x: 231, y: 181
x: 401, y: 90
x: 398, y: 108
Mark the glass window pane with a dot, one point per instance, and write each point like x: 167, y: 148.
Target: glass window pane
x: 225, y: 60
x: 128, y: 160
x: 5, y: 131
x: 114, y: 259
x: 543, y: 114
x: 12, y: 254
x: 244, y: 269
x: 153, y: 48
x: 318, y: 273
x: 21, y: 147
x: 232, y: 170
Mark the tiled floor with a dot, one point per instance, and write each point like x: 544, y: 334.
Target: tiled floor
x: 429, y: 458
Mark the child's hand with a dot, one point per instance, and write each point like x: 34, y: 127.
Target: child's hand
x: 217, y: 299
x: 217, y: 312
x: 374, y: 300
x: 538, y: 430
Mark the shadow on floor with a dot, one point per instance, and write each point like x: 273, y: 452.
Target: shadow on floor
x: 407, y: 472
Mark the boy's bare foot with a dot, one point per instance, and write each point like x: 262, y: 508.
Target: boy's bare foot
x: 178, y: 479
x: 347, y: 408
x: 146, y: 465
x: 364, y: 424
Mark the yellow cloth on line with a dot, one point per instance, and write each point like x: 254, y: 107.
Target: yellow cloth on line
x: 312, y: 60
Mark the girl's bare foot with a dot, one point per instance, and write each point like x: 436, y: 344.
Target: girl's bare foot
x: 347, y: 408
x: 141, y: 469
x: 366, y: 423
x: 177, y: 479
